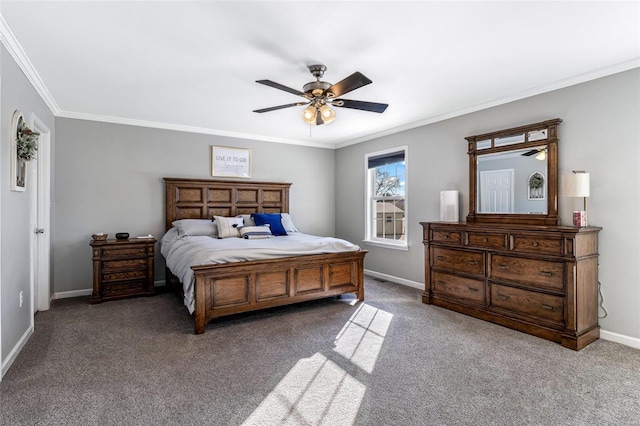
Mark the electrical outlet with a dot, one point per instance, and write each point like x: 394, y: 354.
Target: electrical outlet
x: 21, y: 298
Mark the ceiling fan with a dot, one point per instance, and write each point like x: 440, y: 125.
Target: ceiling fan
x: 320, y: 96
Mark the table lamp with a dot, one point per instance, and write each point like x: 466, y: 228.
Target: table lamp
x: 576, y: 184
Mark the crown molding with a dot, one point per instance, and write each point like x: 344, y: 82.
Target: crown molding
x: 189, y: 129
x: 561, y: 84
x: 11, y: 44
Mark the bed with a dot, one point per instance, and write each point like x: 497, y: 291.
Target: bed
x: 229, y: 288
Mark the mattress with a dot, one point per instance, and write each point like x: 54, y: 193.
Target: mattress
x: 182, y: 253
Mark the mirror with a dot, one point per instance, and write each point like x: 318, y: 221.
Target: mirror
x: 513, y: 175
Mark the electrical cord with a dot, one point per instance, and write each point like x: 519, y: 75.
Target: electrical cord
x: 601, y: 301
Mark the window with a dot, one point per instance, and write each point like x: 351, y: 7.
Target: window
x: 386, y: 177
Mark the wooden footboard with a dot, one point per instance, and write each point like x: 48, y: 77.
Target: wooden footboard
x: 232, y: 288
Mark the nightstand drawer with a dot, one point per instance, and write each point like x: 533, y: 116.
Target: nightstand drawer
x: 125, y: 275
x: 539, y: 273
x: 123, y: 252
x: 459, y: 260
x: 117, y: 265
x: 123, y: 288
x: 529, y: 303
x: 458, y: 287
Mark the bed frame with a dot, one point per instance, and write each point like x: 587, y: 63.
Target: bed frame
x: 232, y: 288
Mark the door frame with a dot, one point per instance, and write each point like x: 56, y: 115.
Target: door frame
x: 41, y: 269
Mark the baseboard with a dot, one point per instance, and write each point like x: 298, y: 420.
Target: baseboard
x: 16, y: 350
x: 72, y: 293
x: 409, y: 283
x: 620, y: 338
x: 88, y: 291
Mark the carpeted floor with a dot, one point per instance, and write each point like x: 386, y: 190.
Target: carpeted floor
x: 388, y: 361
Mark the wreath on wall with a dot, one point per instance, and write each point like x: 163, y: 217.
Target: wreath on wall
x: 26, y: 141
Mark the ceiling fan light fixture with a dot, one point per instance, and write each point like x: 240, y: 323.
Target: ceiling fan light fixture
x: 328, y: 115
x: 542, y: 155
x: 309, y: 114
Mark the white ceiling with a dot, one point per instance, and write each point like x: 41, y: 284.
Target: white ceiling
x: 192, y: 65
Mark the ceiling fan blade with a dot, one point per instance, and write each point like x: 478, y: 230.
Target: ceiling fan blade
x: 530, y: 153
x: 353, y: 82
x: 273, y: 108
x: 362, y: 105
x: 281, y: 87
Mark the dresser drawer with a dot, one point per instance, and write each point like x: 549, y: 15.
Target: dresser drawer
x: 487, y: 240
x: 458, y: 260
x: 123, y: 252
x: 125, y: 275
x: 118, y: 265
x: 529, y: 303
x: 458, y: 287
x: 454, y: 237
x: 537, y: 244
x: 539, y: 273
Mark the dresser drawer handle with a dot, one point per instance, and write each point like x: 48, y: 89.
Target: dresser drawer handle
x: 534, y: 244
x: 546, y: 273
x: 472, y: 262
x: 485, y: 240
x: 503, y: 267
x: 440, y: 257
x: 547, y: 307
x: 503, y: 297
x: 442, y: 282
x: 473, y: 289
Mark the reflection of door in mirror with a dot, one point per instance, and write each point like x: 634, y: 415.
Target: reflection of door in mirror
x: 513, y: 193
x: 496, y: 191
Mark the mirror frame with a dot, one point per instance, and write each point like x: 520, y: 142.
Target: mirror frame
x: 551, y: 217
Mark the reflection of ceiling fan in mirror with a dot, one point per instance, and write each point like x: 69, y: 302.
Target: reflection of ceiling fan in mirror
x: 540, y: 153
x: 321, y: 96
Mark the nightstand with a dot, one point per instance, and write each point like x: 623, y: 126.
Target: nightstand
x: 122, y: 268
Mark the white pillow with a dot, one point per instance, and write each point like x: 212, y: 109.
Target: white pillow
x: 253, y: 232
x: 287, y: 222
x: 194, y: 227
x: 247, y: 220
x: 228, y: 227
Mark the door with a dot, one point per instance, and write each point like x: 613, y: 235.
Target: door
x: 40, y: 201
x: 496, y: 191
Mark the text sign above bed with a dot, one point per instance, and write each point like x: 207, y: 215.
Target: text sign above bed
x: 230, y: 162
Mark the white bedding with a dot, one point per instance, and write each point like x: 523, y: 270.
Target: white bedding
x: 182, y: 253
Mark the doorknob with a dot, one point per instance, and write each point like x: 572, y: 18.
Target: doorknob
x: 39, y: 231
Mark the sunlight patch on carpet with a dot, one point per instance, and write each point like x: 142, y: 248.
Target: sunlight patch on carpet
x: 361, y: 338
x: 316, y: 391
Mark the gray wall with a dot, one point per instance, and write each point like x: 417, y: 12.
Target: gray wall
x: 17, y: 93
x: 109, y: 179
x: 600, y: 133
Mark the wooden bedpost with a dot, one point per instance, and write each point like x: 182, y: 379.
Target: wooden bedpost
x: 200, y: 319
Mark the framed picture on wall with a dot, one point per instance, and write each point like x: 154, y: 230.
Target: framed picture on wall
x: 230, y: 162
x: 18, y: 165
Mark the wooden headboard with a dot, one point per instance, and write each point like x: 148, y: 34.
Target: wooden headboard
x: 204, y: 198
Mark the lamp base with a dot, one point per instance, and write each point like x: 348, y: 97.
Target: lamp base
x: 580, y: 218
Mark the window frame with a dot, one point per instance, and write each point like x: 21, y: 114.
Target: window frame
x: 369, y: 220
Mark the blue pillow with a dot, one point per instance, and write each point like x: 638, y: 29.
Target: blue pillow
x: 273, y: 220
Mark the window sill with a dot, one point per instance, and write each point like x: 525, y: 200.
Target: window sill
x: 393, y: 246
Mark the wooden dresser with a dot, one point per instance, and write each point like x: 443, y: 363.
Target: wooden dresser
x: 542, y: 280
x: 122, y: 268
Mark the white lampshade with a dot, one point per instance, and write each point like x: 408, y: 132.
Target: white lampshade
x: 576, y: 184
